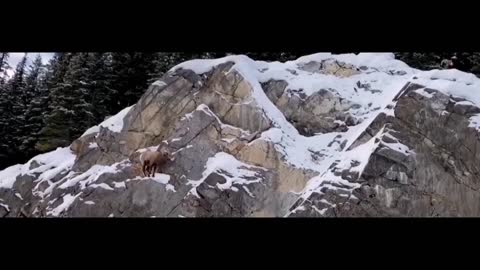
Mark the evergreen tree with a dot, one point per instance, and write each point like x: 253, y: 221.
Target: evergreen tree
x: 4, y: 66
x: 53, y: 134
x: 4, y: 109
x: 100, y: 78
x: 71, y: 106
x: 12, y: 106
x: 4, y: 97
x: 132, y: 72
x: 273, y: 56
x: 19, y: 101
x: 475, y: 63
x: 17, y: 83
x: 78, y: 84
x: 82, y: 93
x: 37, y: 93
x: 164, y: 61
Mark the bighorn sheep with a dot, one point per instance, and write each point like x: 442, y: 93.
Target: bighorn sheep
x: 152, y: 160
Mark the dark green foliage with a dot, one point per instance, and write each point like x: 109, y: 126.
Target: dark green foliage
x: 37, y: 94
x: 131, y: 74
x: 100, y: 78
x: 53, y: 134
x: 275, y: 56
x: 5, y: 105
x: 13, y: 100
x: 71, y: 104
x: 18, y: 101
x: 4, y: 66
x: 164, y: 61
x: 466, y: 61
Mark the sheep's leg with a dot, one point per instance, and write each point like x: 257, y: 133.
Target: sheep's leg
x: 154, y: 169
x: 145, y: 168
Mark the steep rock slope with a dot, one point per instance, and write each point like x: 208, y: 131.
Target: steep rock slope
x: 325, y: 135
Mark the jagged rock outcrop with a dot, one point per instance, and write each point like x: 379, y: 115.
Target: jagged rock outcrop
x: 425, y: 163
x: 322, y: 136
x: 322, y: 112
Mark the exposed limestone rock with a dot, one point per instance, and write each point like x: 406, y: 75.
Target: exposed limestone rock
x: 415, y: 155
x: 321, y: 112
x: 434, y: 181
x: 331, y: 67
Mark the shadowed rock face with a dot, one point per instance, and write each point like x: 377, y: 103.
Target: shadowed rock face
x: 438, y: 177
x: 425, y: 160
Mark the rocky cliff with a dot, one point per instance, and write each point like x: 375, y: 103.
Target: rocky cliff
x: 322, y: 136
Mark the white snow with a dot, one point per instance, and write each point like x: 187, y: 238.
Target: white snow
x: 89, y: 202
x: 68, y: 199
x: 18, y: 196
x: 159, y: 83
x: 248, y: 191
x: 114, y: 123
x: 400, y: 147
x: 5, y: 206
x: 361, y: 154
x: 51, y: 164
x: 466, y: 102
x: 92, y: 175
x: 119, y: 184
x: 91, y: 130
x: 320, y: 211
x: 475, y: 121
x: 181, y: 149
x: 147, y: 149
x: 159, y: 178
x: 233, y: 170
x: 424, y: 93
x: 379, y: 75
x: 300, y: 208
x: 101, y: 185
x: 60, y: 158
x: 93, y: 145
x: 228, y: 140
x: 452, y: 82
x: 295, y: 148
x: 170, y: 187
x: 9, y: 175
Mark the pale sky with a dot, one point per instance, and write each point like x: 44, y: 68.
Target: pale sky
x: 16, y: 57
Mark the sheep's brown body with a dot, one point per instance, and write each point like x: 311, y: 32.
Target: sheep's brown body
x: 152, y: 161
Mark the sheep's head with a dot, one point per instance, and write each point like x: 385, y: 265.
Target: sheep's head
x: 167, y: 155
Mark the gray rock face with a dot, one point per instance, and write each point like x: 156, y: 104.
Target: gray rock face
x: 423, y: 161
x: 194, y: 117
x: 438, y: 175
x: 331, y: 66
x: 321, y: 112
